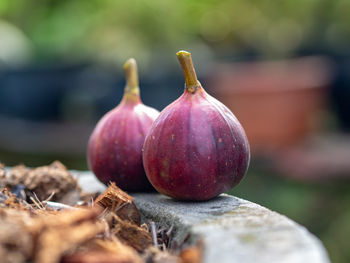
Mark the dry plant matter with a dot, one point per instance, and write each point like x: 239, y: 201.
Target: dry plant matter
x: 37, y: 231
x: 120, y: 203
x: 52, y: 180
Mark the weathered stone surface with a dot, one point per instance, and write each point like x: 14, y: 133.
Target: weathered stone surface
x: 89, y: 182
x: 235, y: 230
x: 231, y: 229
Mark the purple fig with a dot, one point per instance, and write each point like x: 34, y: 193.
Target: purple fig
x: 115, y: 146
x: 196, y: 148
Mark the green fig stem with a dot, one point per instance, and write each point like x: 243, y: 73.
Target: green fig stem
x: 191, y: 80
x: 132, y: 90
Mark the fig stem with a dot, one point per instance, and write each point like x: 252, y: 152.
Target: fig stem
x: 132, y: 79
x: 191, y: 80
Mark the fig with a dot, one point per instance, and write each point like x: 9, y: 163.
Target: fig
x: 115, y: 146
x: 196, y: 149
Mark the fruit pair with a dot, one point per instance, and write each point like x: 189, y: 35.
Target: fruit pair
x: 194, y: 150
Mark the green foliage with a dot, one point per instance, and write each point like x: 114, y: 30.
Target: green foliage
x: 112, y: 29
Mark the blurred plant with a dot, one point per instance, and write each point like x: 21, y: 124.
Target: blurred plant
x: 115, y: 30
x: 14, y: 45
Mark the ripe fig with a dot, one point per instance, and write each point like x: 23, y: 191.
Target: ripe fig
x: 115, y: 146
x: 196, y: 148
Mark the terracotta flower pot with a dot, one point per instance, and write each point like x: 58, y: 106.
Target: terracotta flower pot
x: 278, y: 103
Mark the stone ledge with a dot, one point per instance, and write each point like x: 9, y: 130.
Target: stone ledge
x: 230, y: 229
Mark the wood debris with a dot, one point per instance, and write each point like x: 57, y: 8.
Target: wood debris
x: 191, y: 254
x: 107, y: 251
x: 45, y: 236
x: 35, y: 229
x: 16, y: 243
x: 44, y: 181
x: 55, y: 241
x: 154, y: 255
x: 120, y: 203
x: 8, y: 199
x: 131, y: 234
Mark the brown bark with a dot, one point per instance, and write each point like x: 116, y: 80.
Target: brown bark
x: 107, y: 251
x: 131, y: 234
x: 191, y: 255
x: 117, y: 201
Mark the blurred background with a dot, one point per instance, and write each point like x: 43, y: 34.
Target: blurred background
x: 283, y: 67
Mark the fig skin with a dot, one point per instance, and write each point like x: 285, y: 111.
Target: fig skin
x: 115, y: 147
x: 196, y: 148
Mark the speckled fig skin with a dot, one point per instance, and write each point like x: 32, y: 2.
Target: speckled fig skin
x: 115, y: 146
x: 196, y: 149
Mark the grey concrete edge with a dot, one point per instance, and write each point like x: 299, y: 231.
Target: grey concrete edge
x: 230, y: 229
x: 234, y: 230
